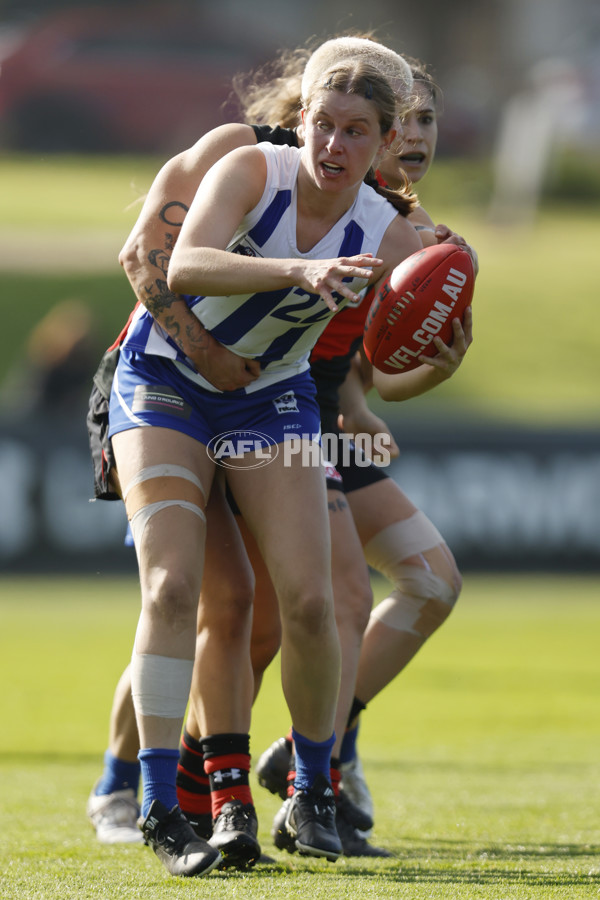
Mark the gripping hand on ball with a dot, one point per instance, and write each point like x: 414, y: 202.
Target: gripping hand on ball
x: 449, y: 358
x: 443, y: 234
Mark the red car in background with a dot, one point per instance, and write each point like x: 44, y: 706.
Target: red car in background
x: 143, y: 79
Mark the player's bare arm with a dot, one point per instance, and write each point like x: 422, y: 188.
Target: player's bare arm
x: 434, y: 369
x: 201, y: 264
x: 146, y: 255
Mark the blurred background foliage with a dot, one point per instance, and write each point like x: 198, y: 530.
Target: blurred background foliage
x: 518, y: 167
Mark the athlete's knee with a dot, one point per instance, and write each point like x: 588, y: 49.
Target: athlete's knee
x: 234, y: 596
x: 419, y: 603
x: 170, y: 598
x: 423, y: 594
x: 169, y: 590
x: 307, y: 613
x: 353, y: 602
x: 227, y: 615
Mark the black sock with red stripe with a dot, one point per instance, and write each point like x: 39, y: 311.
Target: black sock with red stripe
x: 193, y: 788
x: 227, y: 764
x: 335, y: 775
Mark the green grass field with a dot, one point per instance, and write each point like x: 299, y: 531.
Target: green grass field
x: 535, y: 356
x: 482, y: 757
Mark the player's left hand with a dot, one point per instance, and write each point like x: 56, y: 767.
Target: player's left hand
x: 448, y: 358
x: 443, y: 234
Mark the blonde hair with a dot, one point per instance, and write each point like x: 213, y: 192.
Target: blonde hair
x: 273, y: 94
x: 388, y: 63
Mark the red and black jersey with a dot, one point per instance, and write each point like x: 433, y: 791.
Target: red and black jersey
x: 331, y: 357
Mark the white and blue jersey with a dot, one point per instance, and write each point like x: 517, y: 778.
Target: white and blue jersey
x: 278, y: 328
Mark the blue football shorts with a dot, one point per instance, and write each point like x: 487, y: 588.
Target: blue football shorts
x: 149, y: 390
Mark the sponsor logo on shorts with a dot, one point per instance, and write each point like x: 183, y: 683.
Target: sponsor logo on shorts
x: 229, y: 447
x: 159, y: 398
x: 287, y: 403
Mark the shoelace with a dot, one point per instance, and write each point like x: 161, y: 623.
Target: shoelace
x: 175, y: 831
x: 234, y: 819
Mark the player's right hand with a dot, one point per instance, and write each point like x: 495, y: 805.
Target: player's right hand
x: 223, y: 369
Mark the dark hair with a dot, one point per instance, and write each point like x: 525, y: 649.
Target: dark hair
x: 422, y: 75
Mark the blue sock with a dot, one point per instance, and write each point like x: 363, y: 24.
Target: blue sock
x: 118, y: 775
x: 312, y: 759
x: 159, y: 771
x: 348, y: 748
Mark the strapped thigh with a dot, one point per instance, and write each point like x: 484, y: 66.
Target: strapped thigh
x: 161, y: 481
x: 408, y: 537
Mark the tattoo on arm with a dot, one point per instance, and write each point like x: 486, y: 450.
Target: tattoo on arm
x: 172, y: 212
x: 160, y: 260
x: 197, y: 335
x: 157, y: 298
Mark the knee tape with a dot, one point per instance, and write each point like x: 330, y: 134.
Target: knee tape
x: 402, y: 539
x: 160, y: 685
x: 418, y: 604
x: 163, y: 471
x: 142, y: 515
x: 140, y: 519
x: 420, y: 600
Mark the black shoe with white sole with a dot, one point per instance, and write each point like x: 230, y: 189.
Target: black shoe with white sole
x: 310, y: 821
x: 176, y: 843
x: 234, y: 835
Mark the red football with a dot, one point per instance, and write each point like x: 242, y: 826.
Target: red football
x: 417, y: 302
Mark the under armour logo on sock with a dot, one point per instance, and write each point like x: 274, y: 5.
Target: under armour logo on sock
x: 221, y: 776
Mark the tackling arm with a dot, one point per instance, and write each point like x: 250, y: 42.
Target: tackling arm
x: 146, y: 255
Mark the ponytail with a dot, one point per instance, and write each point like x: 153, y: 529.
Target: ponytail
x: 403, y: 199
